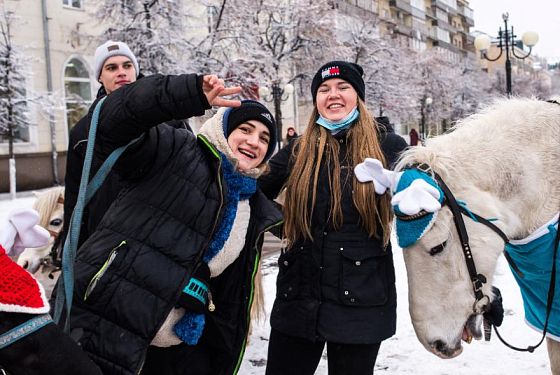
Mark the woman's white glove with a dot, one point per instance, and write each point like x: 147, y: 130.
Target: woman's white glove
x: 20, y: 230
x: 372, y: 170
x: 166, y: 336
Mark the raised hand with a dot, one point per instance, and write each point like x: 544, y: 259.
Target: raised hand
x: 215, y: 91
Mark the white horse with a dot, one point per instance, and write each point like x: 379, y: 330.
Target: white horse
x: 504, y: 163
x: 38, y: 261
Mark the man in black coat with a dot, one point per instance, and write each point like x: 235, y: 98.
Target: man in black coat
x: 115, y: 66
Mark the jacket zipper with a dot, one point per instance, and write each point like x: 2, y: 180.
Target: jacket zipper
x: 93, y: 282
x: 255, y: 268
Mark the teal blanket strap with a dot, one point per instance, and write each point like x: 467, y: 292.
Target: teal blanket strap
x: 65, y: 288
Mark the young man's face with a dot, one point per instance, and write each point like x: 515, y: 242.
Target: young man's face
x: 249, y: 143
x: 117, y: 71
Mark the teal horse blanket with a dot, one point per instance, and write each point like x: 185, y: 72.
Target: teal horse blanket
x: 533, y: 256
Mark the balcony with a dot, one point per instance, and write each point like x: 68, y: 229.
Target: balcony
x: 401, y: 5
x: 441, y: 5
x: 403, y: 29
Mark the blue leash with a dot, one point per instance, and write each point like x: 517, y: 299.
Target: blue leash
x: 65, y: 289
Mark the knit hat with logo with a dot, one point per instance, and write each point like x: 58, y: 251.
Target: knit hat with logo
x: 350, y: 72
x: 111, y: 48
x: 251, y: 110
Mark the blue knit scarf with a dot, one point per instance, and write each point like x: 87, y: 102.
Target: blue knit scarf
x: 238, y: 187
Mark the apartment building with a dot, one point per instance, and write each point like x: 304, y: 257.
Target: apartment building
x: 423, y: 24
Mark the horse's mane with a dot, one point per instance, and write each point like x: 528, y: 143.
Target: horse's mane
x: 46, y: 203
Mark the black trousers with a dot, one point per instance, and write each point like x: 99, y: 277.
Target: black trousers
x: 288, y: 355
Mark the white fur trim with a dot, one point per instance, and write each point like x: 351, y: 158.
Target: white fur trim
x: 20, y: 230
x: 235, y: 242
x: 166, y: 336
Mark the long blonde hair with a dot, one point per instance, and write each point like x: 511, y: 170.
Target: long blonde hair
x: 316, y: 147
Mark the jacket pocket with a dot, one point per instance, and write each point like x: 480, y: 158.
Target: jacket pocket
x: 289, y: 274
x: 363, y: 276
x: 110, y: 260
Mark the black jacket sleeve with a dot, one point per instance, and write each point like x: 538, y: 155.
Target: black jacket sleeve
x: 392, y: 145
x: 280, y: 167
x: 135, y: 109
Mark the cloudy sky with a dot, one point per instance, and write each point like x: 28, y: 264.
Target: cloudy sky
x: 542, y: 16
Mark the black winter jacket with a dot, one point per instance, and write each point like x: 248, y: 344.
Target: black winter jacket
x: 131, y: 271
x: 104, y: 197
x: 340, y: 287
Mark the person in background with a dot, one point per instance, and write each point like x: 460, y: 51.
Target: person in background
x: 115, y: 66
x: 166, y: 283
x: 413, y: 137
x: 336, y: 281
x: 392, y: 144
x: 291, y: 134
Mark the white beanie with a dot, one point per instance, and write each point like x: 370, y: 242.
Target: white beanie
x: 111, y: 48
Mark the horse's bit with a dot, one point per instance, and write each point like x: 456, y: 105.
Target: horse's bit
x: 477, y: 279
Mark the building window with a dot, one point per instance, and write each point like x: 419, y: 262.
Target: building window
x: 72, y: 3
x: 77, y: 89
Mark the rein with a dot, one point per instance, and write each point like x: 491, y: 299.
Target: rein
x: 478, y: 280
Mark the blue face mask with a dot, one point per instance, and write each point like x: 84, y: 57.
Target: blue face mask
x: 533, y: 257
x: 335, y: 127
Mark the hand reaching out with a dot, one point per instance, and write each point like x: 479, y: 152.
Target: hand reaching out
x: 215, y: 90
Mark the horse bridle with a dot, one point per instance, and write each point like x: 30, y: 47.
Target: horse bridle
x: 477, y: 279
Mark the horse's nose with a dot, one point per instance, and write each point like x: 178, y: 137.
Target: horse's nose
x: 444, y: 350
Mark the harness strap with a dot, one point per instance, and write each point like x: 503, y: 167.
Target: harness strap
x: 24, y: 329
x: 478, y: 280
x: 65, y: 289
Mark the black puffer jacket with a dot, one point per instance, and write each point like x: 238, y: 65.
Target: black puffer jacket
x: 340, y: 287
x: 104, y: 197
x: 131, y: 271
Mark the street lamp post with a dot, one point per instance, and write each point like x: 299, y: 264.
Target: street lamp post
x: 276, y: 95
x: 424, y: 104
x: 507, y: 41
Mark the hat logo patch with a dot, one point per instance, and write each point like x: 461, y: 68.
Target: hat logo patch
x: 114, y: 47
x: 267, y: 116
x: 329, y: 72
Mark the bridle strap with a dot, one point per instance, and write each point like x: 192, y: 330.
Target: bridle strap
x: 477, y: 280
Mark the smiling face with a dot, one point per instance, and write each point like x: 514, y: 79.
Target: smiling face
x: 335, y: 99
x: 249, y: 143
x: 117, y: 71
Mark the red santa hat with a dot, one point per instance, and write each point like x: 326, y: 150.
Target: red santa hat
x: 19, y: 290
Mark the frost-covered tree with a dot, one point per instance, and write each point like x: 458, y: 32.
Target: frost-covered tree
x: 472, y: 88
x: 385, y: 65
x: 14, y: 111
x: 153, y: 29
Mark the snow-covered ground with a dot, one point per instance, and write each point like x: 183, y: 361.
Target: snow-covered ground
x: 403, y: 354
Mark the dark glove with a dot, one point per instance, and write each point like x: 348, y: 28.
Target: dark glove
x: 195, y: 294
x: 495, y: 312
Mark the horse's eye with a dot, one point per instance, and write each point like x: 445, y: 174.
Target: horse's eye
x: 437, y: 249
x: 56, y: 222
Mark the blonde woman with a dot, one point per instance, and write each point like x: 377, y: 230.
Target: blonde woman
x: 336, y: 282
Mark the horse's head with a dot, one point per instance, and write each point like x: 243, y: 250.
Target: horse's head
x: 442, y: 303
x: 50, y: 205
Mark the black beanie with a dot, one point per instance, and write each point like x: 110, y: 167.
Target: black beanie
x: 251, y: 110
x: 350, y: 72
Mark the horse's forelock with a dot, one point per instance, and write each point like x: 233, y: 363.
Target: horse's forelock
x: 46, y: 203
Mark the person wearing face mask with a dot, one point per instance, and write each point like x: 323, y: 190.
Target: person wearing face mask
x: 166, y: 283
x: 115, y: 66
x: 336, y: 281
